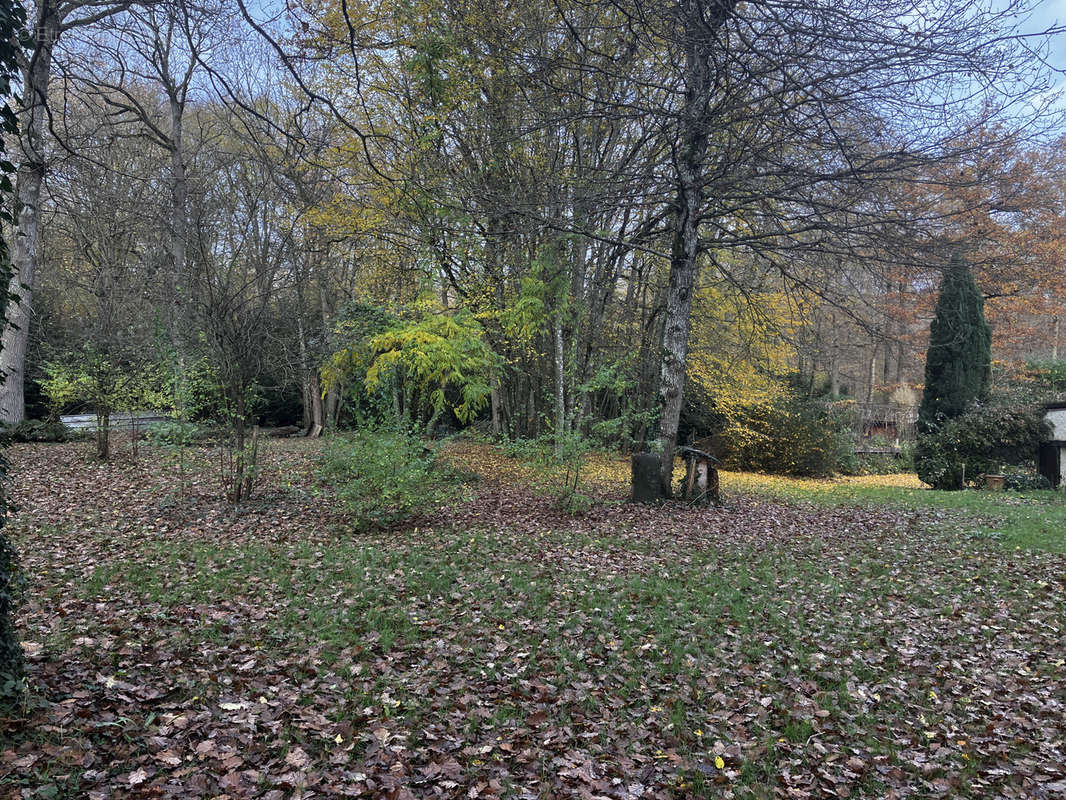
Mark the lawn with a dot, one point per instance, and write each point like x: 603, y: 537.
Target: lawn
x: 1026, y: 520
x: 810, y: 639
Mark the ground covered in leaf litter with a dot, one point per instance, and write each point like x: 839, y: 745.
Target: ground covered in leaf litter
x: 180, y: 648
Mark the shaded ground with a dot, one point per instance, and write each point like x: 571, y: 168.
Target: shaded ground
x: 181, y: 649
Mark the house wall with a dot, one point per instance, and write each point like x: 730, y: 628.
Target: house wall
x: 1057, y: 418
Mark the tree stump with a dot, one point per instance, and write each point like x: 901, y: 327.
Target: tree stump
x: 701, y: 481
x: 647, y: 482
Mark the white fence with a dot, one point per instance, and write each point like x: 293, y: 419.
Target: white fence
x: 120, y: 420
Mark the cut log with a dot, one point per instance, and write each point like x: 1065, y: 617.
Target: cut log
x: 283, y: 431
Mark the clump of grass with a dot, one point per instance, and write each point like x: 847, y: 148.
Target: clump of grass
x: 385, y: 477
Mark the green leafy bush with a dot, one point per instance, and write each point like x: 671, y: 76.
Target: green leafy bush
x: 618, y: 414
x: 556, y: 464
x: 35, y: 430
x: 173, y: 433
x: 432, y: 363
x: 981, y: 441
x: 384, y: 477
x: 1022, y: 480
x: 882, y: 463
x: 787, y: 436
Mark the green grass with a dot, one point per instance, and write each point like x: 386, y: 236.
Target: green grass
x: 660, y: 646
x: 1033, y: 520
x: 779, y: 641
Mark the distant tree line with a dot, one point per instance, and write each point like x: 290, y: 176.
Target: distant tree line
x: 634, y: 220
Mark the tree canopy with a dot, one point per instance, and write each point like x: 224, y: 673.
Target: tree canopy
x: 613, y: 205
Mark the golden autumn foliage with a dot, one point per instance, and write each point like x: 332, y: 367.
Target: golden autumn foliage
x: 607, y: 475
x: 739, y: 354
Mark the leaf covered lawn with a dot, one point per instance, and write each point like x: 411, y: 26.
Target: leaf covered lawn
x: 499, y: 648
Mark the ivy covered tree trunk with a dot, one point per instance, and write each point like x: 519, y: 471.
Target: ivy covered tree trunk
x: 10, y: 649
x: 12, y: 21
x: 27, y: 202
x: 958, y: 365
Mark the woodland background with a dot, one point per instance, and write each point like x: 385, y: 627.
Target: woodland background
x: 558, y: 220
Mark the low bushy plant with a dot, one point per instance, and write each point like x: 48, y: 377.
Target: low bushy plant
x: 1023, y: 480
x: 173, y: 433
x: 556, y: 464
x: 529, y: 450
x: 384, y: 477
x: 35, y: 430
x: 787, y: 435
x: 899, y: 460
x: 981, y: 441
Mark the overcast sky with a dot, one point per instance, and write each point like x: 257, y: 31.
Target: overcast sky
x: 1049, y: 14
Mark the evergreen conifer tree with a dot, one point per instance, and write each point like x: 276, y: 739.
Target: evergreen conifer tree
x: 958, y: 364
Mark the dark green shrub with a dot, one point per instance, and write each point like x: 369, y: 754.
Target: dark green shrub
x: 1020, y: 480
x: 787, y: 436
x: 982, y: 441
x: 958, y: 364
x: 35, y: 430
x: 384, y: 477
x: 937, y: 462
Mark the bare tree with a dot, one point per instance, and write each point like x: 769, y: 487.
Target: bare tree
x: 782, y: 119
x: 101, y: 244
x: 160, y: 47
x: 50, y: 19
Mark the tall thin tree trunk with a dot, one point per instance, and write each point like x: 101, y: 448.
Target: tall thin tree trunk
x: 179, y: 233
x: 873, y: 375
x: 560, y: 390
x: 685, y: 250
x: 700, y: 21
x: 331, y: 409
x: 30, y: 177
x: 305, y: 375
x: 497, y: 416
x: 312, y: 412
x: 318, y: 420
x: 103, y: 434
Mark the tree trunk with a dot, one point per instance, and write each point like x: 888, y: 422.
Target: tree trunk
x: 237, y: 458
x: 699, y: 23
x: 179, y: 232
x: 494, y: 398
x: 560, y: 404
x: 332, y: 407
x: 873, y: 374
x: 103, y: 434
x: 33, y: 121
x: 317, y: 416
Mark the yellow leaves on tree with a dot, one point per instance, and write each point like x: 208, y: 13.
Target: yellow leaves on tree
x: 739, y: 354
x: 436, y: 351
